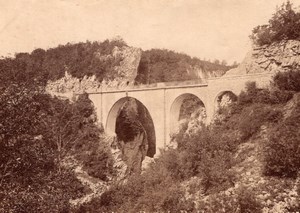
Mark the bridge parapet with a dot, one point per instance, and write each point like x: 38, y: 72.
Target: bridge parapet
x: 154, y: 86
x: 245, y: 76
x: 262, y: 79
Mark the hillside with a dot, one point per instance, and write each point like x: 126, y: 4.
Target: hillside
x: 84, y: 65
x: 56, y: 157
x: 246, y: 161
x: 158, y: 65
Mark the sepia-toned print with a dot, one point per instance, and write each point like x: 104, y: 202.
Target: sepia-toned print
x: 138, y: 106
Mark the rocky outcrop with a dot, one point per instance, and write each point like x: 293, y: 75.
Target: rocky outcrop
x: 134, y: 152
x: 277, y: 57
x: 124, y: 74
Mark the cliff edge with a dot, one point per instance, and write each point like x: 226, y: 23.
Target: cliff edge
x: 277, y: 57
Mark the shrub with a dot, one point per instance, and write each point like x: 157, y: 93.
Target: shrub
x: 253, y: 117
x: 247, y: 201
x: 282, y: 150
x: 249, y: 95
x: 244, y: 201
x: 153, y: 191
x: 284, y: 25
x: 51, y: 194
x: 32, y: 178
x: 289, y: 80
x: 206, y: 154
x: 95, y: 156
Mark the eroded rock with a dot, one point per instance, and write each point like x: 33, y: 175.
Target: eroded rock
x: 126, y: 72
x: 277, y: 57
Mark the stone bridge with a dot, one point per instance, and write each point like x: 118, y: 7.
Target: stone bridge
x: 163, y: 101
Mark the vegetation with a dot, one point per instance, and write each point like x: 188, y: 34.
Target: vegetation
x: 158, y: 65
x: 36, y: 132
x: 97, y: 58
x: 209, y: 154
x: 89, y: 58
x: 284, y: 25
x: 143, y: 193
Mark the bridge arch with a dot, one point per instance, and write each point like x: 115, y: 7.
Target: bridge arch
x: 114, y: 112
x: 224, y: 98
x: 176, y: 107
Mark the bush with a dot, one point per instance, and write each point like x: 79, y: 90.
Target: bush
x: 247, y: 202
x: 48, y: 193
x: 253, y: 117
x: 95, y: 156
x: 207, y: 154
x: 289, y: 80
x: 282, y: 150
x: 284, y: 25
x: 249, y: 95
x: 244, y: 202
x: 153, y: 191
x: 38, y: 131
x: 273, y: 95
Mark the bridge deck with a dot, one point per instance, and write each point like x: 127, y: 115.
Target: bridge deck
x: 175, y: 84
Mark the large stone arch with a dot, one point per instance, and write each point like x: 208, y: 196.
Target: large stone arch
x: 233, y: 96
x: 112, y: 119
x: 175, y: 109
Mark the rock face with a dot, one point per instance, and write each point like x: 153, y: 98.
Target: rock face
x: 130, y: 155
x: 277, y: 57
x: 125, y: 73
x: 200, y: 73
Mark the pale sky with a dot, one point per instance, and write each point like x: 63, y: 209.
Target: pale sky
x: 210, y: 29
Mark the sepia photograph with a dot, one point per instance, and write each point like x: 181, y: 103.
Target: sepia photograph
x: 149, y: 106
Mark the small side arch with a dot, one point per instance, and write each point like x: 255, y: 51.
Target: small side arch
x: 176, y: 109
x: 223, y: 99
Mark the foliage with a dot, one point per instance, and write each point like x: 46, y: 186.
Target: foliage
x: 80, y: 59
x: 247, y: 201
x: 158, y: 65
x: 273, y: 95
x: 207, y: 154
x: 96, y: 58
x: 72, y: 128
x: 281, y: 152
x: 244, y: 202
x: 47, y: 191
x: 95, y: 155
x: 289, y: 81
x: 143, y: 193
x: 284, y: 25
x: 36, y: 131
x: 30, y: 178
x: 253, y: 117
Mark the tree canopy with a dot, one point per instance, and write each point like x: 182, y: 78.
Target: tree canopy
x: 283, y: 25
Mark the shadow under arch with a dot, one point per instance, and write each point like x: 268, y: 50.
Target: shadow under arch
x: 148, y: 126
x: 218, y: 99
x: 176, y: 109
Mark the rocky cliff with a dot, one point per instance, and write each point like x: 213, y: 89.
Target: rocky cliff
x: 277, y: 57
x: 201, y: 73
x: 125, y: 73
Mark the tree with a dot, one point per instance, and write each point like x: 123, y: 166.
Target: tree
x: 284, y: 25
